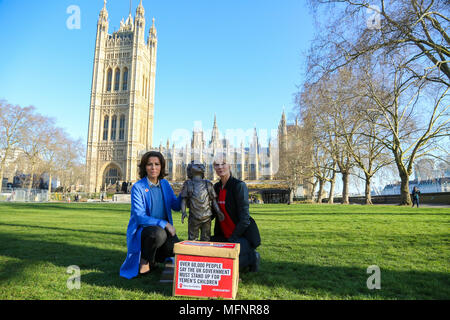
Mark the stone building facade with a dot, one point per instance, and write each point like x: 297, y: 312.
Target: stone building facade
x: 122, y: 100
x: 250, y: 162
x: 122, y: 112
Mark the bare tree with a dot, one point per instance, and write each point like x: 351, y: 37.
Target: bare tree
x: 414, y: 113
x: 327, y: 102
x: 361, y: 131
x: 323, y: 169
x: 71, y: 164
x: 54, y: 154
x: 298, y: 170
x: 13, y: 122
x: 37, y: 138
x: 368, y: 27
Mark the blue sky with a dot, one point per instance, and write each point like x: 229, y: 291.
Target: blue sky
x: 239, y: 59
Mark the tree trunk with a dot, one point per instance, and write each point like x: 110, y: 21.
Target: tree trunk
x: 332, y: 184
x: 49, y: 187
x: 319, y: 196
x: 367, y: 191
x: 313, y: 189
x: 291, y: 195
x: 1, y: 179
x: 345, y: 176
x: 405, y: 198
x: 30, y: 186
x: 2, y: 168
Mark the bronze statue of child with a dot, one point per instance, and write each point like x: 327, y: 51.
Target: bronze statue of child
x: 199, y: 196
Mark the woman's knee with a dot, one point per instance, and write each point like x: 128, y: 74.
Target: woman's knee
x: 156, y: 234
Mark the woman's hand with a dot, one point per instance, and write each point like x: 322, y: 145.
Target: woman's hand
x: 171, y: 229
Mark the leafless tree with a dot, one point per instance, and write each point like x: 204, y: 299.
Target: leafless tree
x: 414, y: 113
x: 37, y: 137
x: 355, y: 28
x: 13, y: 123
x: 327, y: 102
x: 298, y: 169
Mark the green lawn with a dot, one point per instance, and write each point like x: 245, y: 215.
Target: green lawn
x: 308, y: 252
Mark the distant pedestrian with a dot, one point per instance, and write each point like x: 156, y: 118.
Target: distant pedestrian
x: 415, y: 196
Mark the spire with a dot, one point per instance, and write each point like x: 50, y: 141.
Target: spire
x: 140, y: 10
x: 129, y: 21
x: 215, y: 135
x: 283, y: 125
x: 255, y: 137
x: 104, y: 12
x: 103, y: 17
x: 152, y: 31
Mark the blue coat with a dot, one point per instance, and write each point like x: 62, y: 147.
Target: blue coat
x: 140, y: 215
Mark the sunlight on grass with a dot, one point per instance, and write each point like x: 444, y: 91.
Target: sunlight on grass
x: 308, y: 252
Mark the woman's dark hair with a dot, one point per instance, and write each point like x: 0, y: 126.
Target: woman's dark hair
x: 144, y: 161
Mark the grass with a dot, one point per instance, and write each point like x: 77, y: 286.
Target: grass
x: 308, y: 252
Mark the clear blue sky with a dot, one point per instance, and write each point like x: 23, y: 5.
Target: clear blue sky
x: 240, y: 59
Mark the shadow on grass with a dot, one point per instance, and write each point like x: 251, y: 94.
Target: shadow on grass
x: 105, y: 263
x: 349, y: 282
x: 312, y: 280
x: 63, y: 229
x: 359, y: 213
x: 116, y: 207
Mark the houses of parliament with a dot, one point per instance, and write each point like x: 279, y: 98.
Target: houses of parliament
x: 122, y: 110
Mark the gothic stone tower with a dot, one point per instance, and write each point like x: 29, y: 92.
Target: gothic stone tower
x: 122, y: 100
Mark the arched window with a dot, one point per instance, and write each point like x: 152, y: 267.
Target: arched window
x: 109, y: 80
x: 112, y: 175
x: 117, y: 80
x: 122, y: 128
x: 125, y: 79
x: 113, y: 127
x: 105, y: 128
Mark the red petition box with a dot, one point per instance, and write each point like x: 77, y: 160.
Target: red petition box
x: 206, y: 269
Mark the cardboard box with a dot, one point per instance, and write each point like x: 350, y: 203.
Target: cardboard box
x: 206, y: 269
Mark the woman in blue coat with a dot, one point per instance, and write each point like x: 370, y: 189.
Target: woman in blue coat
x: 150, y: 234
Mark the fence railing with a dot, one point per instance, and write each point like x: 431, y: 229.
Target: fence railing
x: 25, y: 195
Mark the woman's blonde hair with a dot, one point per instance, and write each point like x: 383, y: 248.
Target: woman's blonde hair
x: 222, y: 158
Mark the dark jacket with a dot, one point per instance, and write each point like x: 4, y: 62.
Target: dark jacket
x: 237, y: 207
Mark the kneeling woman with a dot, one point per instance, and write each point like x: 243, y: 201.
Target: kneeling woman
x: 150, y: 234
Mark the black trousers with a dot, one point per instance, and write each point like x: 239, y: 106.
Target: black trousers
x: 157, y: 244
x: 247, y: 254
